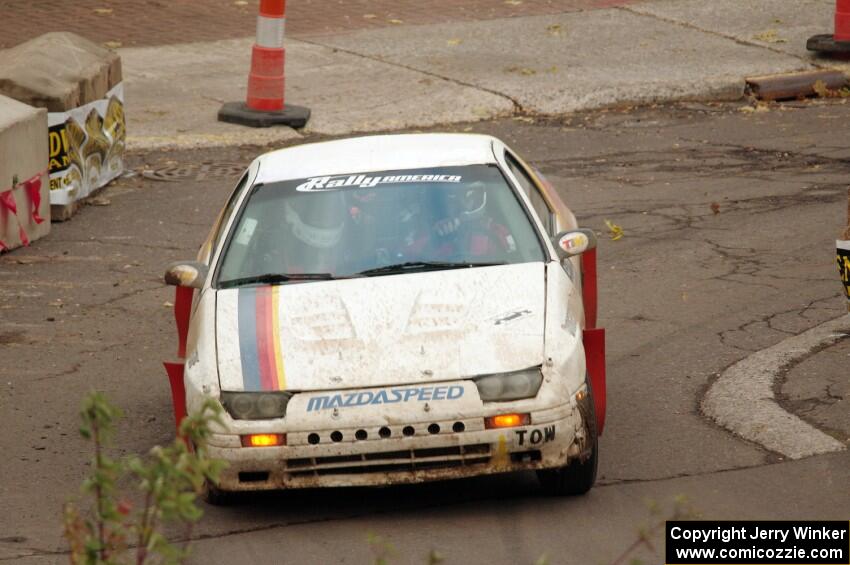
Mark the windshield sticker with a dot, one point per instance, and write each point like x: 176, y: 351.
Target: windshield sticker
x: 390, y: 396
x: 247, y: 231
x: 364, y: 181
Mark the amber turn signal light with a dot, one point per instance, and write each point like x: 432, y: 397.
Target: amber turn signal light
x: 507, y: 421
x: 263, y: 440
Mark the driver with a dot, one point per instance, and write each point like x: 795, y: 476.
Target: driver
x: 467, y: 229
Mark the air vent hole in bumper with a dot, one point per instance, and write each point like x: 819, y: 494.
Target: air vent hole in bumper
x: 526, y: 456
x: 253, y: 476
x: 386, y: 432
x: 407, y: 460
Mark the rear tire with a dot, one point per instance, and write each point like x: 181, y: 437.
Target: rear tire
x: 578, y: 477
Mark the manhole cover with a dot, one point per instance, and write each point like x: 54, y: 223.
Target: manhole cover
x: 194, y: 171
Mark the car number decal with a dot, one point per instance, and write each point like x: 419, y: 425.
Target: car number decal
x: 535, y: 436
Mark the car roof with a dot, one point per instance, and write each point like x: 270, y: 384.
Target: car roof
x: 375, y: 153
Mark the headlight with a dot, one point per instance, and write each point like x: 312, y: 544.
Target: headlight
x: 509, y: 386
x: 255, y: 405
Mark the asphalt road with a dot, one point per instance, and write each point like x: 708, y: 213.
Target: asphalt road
x: 729, y: 218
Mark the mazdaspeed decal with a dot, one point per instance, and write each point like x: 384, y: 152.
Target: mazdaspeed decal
x: 259, y: 339
x: 386, y: 396
x: 364, y: 181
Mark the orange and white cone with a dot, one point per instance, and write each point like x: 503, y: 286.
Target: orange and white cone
x: 265, y: 105
x: 837, y: 43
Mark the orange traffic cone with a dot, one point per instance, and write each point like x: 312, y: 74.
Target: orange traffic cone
x: 265, y: 105
x: 839, y: 42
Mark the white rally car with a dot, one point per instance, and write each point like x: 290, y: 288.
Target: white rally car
x: 393, y: 309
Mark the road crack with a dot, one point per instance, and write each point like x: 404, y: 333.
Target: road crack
x: 518, y: 108
x: 730, y: 37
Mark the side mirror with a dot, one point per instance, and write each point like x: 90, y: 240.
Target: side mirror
x: 574, y: 242
x: 189, y: 274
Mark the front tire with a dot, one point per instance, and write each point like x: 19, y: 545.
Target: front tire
x: 212, y: 494
x: 578, y: 477
x: 215, y: 496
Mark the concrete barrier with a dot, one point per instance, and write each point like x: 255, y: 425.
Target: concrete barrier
x: 79, y: 83
x: 24, y: 199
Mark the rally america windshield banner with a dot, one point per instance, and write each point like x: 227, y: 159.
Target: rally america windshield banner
x: 369, y: 181
x: 86, y: 147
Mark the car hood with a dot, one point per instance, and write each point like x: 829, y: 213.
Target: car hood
x: 399, y: 329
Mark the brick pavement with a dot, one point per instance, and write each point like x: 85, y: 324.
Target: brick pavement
x: 158, y: 22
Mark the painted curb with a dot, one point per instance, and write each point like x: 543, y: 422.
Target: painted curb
x: 742, y: 399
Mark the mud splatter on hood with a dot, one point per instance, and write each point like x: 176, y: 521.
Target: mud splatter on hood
x: 399, y: 329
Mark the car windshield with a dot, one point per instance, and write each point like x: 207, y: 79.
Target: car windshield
x: 379, y: 223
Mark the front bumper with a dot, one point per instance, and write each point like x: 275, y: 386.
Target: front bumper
x: 405, y: 452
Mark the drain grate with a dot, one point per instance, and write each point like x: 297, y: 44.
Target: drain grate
x: 194, y: 171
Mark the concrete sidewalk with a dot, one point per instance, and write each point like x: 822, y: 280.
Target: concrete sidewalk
x: 416, y: 76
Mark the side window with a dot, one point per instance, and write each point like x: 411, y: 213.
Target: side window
x: 228, y: 210
x: 547, y: 217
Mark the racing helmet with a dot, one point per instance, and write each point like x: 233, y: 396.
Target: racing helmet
x: 317, y: 220
x: 470, y: 201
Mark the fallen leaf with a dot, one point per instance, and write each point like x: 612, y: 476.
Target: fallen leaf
x: 103, y: 11
x: 513, y: 2
x: 715, y: 207
x: 614, y: 231
x: 112, y: 44
x: 99, y: 201
x: 525, y: 71
x: 241, y: 3
x: 769, y: 36
x: 168, y: 304
x: 454, y: 41
x: 823, y: 91
x: 396, y: 22
x: 554, y: 29
x: 369, y: 16
x: 820, y: 88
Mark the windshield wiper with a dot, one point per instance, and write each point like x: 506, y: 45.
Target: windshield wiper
x: 276, y: 278
x: 423, y: 266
